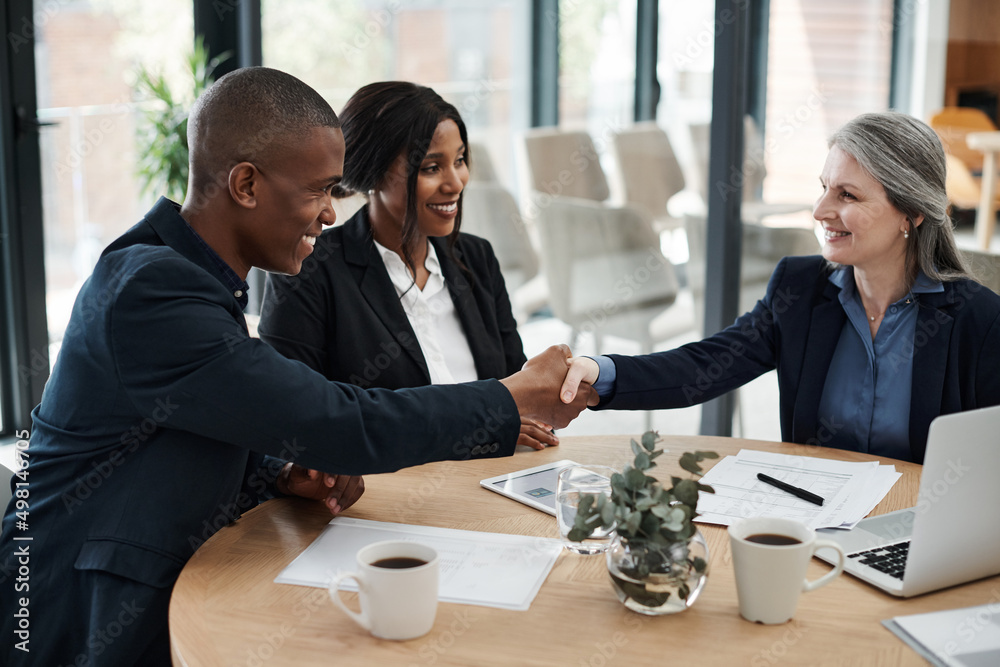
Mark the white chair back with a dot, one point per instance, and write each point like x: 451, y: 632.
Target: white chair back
x: 564, y: 164
x: 650, y: 172
x: 604, y: 268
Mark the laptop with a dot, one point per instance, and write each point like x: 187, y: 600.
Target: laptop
x: 952, y: 536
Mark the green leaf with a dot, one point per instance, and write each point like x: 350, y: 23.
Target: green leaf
x: 642, y: 461
x: 701, y: 456
x: 617, y: 485
x: 633, y: 522
x: 690, y: 463
x: 700, y: 564
x: 674, y: 521
x: 577, y: 535
x: 686, y: 491
x: 608, y: 514
x: 662, y: 510
x: 706, y: 488
x: 644, y: 504
x: 636, y: 447
x: 634, y: 479
x: 649, y: 440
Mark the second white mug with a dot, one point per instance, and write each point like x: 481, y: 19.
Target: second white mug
x: 770, y: 557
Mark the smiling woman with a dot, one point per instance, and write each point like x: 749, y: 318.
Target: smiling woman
x: 398, y: 296
x: 873, y: 340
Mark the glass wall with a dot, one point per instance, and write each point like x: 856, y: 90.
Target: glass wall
x: 827, y: 63
x: 474, y: 54
x: 87, y: 54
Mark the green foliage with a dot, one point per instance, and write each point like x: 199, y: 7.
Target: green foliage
x: 162, y: 131
x: 641, y: 509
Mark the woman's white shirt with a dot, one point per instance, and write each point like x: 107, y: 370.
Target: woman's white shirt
x: 432, y: 315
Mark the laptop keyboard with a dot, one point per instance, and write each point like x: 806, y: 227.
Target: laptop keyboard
x: 890, y: 559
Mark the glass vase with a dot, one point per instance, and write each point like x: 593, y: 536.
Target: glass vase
x: 655, y: 580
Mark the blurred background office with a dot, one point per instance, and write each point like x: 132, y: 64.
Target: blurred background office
x: 591, y: 123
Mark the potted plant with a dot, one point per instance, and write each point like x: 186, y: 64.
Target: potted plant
x: 162, y: 131
x: 658, y: 560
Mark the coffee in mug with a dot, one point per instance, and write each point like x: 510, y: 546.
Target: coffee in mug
x: 770, y: 558
x: 398, y: 589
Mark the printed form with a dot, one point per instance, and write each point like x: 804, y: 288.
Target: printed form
x: 488, y: 569
x: 849, y: 490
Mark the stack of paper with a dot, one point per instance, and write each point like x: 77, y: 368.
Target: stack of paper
x: 967, y: 637
x: 489, y: 569
x: 849, y: 490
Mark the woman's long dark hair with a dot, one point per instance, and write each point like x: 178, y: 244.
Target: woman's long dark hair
x: 386, y: 119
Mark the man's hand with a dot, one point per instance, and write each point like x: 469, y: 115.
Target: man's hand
x: 338, y: 492
x: 536, y: 435
x: 581, y: 370
x: 536, y: 388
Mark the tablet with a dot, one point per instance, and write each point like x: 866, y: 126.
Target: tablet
x: 535, y: 487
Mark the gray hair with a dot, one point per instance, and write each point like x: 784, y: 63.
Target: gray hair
x: 905, y: 156
x: 245, y: 115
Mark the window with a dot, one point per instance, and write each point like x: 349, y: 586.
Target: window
x: 87, y: 54
x: 471, y: 53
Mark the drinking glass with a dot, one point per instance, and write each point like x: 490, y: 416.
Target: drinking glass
x: 573, y: 482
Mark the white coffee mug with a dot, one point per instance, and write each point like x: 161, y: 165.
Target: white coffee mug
x: 398, y: 588
x: 771, y: 571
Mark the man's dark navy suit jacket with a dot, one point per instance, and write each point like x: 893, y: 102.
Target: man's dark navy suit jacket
x: 152, y: 434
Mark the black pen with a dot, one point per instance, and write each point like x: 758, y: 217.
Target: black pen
x: 794, y: 490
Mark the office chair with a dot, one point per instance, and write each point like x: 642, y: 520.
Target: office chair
x: 490, y: 211
x: 753, y: 208
x: 605, y: 271
x: 481, y: 167
x: 650, y: 172
x: 763, y: 248
x: 564, y: 164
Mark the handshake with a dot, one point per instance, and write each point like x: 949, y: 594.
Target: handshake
x: 550, y: 391
x: 554, y: 387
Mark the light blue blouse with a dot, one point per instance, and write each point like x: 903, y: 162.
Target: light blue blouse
x: 866, y: 394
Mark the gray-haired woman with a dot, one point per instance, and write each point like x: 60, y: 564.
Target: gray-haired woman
x: 872, y: 340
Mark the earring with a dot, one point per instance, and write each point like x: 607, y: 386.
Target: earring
x: 906, y: 233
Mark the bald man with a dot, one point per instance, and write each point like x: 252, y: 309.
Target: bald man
x: 163, y: 420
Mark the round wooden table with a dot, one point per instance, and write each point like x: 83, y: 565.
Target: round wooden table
x: 227, y: 610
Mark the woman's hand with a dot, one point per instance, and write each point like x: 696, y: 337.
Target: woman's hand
x: 536, y: 434
x: 338, y: 492
x: 581, y: 370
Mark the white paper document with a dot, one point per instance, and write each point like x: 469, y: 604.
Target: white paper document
x: 849, y: 490
x: 488, y: 569
x: 967, y: 637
